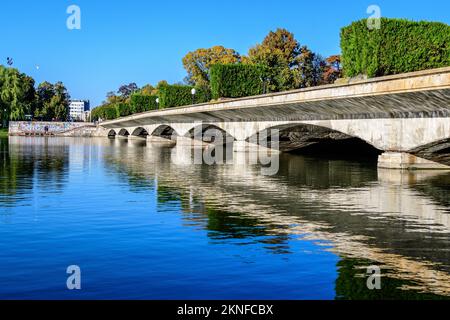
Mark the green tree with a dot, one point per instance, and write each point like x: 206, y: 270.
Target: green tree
x: 16, y: 94
x: 60, y: 101
x: 289, y: 65
x: 127, y: 90
x: 148, y: 90
x: 199, y: 62
x: 52, y: 101
x: 44, y: 94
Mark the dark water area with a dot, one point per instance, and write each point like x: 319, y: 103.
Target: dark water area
x: 143, y: 222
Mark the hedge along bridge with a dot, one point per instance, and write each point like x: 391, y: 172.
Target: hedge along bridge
x: 406, y: 117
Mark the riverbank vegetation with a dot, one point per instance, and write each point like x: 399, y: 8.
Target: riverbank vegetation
x: 281, y: 62
x: 3, y: 132
x: 20, y: 99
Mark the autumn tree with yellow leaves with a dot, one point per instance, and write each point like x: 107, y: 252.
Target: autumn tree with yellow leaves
x: 198, y: 63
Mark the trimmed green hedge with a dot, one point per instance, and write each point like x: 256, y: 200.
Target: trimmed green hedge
x: 105, y: 112
x: 123, y: 109
x: 236, y: 80
x: 180, y: 95
x: 398, y: 46
x: 141, y: 103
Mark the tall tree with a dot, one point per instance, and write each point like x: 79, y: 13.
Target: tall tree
x: 44, y: 94
x: 127, y: 90
x: 60, y: 101
x: 16, y: 94
x: 53, y: 101
x: 333, y: 69
x: 289, y: 65
x: 197, y: 63
x: 148, y: 90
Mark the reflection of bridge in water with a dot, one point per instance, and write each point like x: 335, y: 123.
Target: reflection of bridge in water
x: 398, y: 220
x: 405, y: 117
x: 389, y: 218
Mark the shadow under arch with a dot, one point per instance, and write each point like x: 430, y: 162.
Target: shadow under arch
x: 438, y: 151
x: 140, y: 132
x: 124, y: 133
x: 314, y: 139
x: 112, y: 133
x: 165, y: 131
x: 210, y: 133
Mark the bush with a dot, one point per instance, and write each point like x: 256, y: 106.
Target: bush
x: 141, y: 103
x: 236, y: 80
x: 123, y: 109
x: 110, y: 112
x: 180, y: 95
x: 105, y: 112
x: 398, y: 46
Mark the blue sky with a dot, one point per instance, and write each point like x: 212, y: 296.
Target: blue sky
x: 144, y: 41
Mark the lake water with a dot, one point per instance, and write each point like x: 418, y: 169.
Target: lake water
x: 143, y: 226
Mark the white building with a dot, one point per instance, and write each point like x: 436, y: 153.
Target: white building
x: 78, y: 110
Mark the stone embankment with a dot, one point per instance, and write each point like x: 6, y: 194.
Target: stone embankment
x: 65, y: 129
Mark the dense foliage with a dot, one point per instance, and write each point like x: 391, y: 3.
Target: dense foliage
x: 289, y: 64
x: 280, y: 62
x: 180, y: 95
x: 19, y: 99
x: 398, y: 46
x: 105, y: 112
x: 199, y: 62
x: 237, y: 80
x: 17, y: 94
x: 141, y: 103
x: 52, y: 102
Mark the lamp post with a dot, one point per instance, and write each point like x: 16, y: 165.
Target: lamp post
x: 193, y: 91
x: 4, y: 118
x: 157, y: 103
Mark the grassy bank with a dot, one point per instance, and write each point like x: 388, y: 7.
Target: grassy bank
x: 3, y: 132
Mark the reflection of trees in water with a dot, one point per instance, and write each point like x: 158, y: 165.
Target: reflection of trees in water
x: 25, y: 164
x: 347, y: 198
x: 351, y: 284
x: 358, y: 178
x: 222, y: 224
x: 16, y: 171
x: 166, y: 195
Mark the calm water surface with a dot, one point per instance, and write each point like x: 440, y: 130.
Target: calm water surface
x: 143, y: 226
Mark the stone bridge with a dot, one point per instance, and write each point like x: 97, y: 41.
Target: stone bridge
x: 406, y: 117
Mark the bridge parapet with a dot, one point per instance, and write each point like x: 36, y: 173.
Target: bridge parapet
x: 398, y: 113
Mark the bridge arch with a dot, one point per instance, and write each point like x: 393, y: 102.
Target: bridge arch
x: 437, y: 151
x: 165, y: 131
x: 210, y: 133
x: 302, y: 135
x: 140, y: 132
x: 112, y: 133
x: 124, y: 133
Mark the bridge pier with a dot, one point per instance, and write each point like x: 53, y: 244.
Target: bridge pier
x: 407, y: 161
x: 131, y: 137
x: 187, y: 141
x: 161, y: 141
x: 245, y: 146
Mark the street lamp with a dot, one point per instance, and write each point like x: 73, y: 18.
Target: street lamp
x: 4, y: 118
x: 193, y: 91
x: 157, y: 103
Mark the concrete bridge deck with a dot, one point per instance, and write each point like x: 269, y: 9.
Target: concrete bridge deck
x: 407, y: 116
